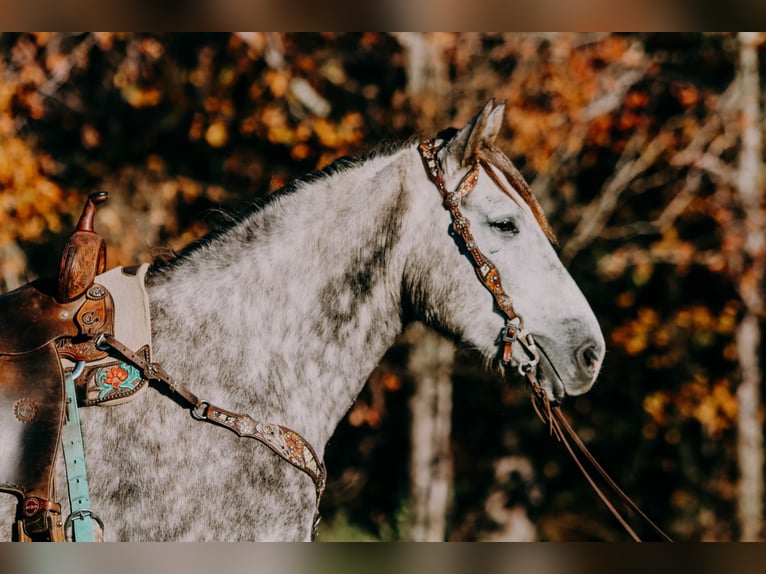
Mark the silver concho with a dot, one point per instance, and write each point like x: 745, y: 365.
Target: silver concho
x: 25, y: 410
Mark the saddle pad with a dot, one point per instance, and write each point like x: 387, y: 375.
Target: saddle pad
x: 110, y: 381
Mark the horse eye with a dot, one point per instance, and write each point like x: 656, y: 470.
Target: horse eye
x: 505, y: 225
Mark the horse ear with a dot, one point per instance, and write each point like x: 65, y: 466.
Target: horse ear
x: 482, y: 129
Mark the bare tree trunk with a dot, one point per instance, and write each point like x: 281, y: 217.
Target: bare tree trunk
x: 511, y: 518
x: 431, y: 360
x: 431, y: 356
x: 425, y: 64
x: 749, y: 424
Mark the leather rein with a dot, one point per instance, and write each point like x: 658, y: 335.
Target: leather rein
x: 513, y: 331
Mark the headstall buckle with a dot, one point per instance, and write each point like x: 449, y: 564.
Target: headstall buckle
x: 511, y: 330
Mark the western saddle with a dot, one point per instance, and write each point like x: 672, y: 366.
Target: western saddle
x: 85, y: 339
x: 43, y: 326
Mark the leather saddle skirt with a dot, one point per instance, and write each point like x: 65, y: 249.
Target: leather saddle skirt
x: 31, y: 386
x: 40, y: 340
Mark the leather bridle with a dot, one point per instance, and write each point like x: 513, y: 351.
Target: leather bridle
x: 513, y: 331
x: 486, y: 271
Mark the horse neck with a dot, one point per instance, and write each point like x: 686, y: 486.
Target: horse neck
x: 286, y: 314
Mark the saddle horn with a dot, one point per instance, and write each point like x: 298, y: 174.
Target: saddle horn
x: 84, y: 254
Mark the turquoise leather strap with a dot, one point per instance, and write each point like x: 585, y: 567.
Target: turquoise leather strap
x: 77, y: 478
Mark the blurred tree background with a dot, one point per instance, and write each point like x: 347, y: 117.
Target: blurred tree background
x: 645, y: 151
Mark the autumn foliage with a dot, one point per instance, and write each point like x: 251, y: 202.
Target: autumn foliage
x: 630, y: 142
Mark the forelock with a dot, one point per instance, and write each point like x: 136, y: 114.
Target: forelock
x: 490, y: 155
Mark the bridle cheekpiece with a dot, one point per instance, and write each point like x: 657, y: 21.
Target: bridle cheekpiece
x: 513, y: 330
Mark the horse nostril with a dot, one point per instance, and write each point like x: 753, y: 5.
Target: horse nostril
x: 589, y: 356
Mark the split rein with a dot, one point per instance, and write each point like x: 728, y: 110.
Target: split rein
x: 514, y: 331
x: 560, y: 428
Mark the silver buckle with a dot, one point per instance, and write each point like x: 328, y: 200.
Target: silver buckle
x: 511, y: 330
x: 528, y: 344
x: 80, y: 515
x: 199, y: 412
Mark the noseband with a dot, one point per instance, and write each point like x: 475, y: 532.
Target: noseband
x: 513, y: 330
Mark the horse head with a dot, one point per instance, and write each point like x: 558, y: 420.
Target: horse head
x: 510, y: 230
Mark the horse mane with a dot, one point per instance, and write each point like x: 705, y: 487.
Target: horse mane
x: 228, y: 220
x: 488, y: 155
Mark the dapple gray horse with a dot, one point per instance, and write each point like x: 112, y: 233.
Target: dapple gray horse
x: 285, y: 314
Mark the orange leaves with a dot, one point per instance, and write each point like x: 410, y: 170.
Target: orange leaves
x: 196, y: 126
x: 30, y: 203
x: 138, y: 77
x: 274, y: 119
x: 540, y: 131
x: 391, y: 382
x: 370, y: 408
x: 564, y: 98
x: 712, y: 405
x: 346, y: 134
x: 27, y: 211
x: 104, y: 40
x: 656, y: 406
x: 139, y: 97
x: 217, y: 134
x: 152, y: 48
x: 90, y: 137
x: 687, y: 94
x: 6, y: 94
x: 277, y: 81
x: 599, y: 130
x: 699, y: 318
x: 667, y: 342
x: 337, y: 138
x: 362, y: 414
x: 636, y: 99
x: 615, y: 264
x: 671, y: 248
x: 634, y: 336
x: 333, y: 71
x: 327, y: 134
x: 41, y: 38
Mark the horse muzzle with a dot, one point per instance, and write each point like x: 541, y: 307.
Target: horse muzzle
x: 568, y: 373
